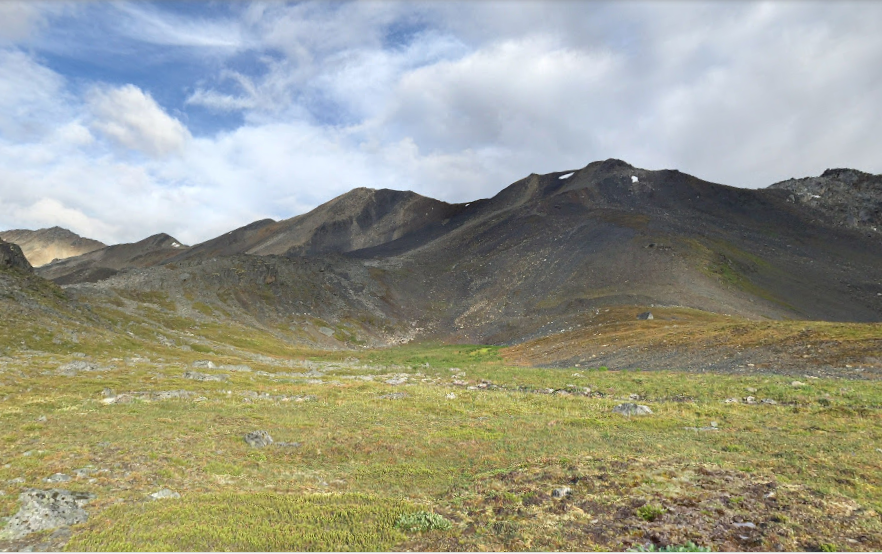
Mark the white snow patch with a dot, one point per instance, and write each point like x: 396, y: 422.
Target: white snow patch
x: 567, y: 176
x: 175, y: 245
x: 815, y: 196
x: 634, y: 179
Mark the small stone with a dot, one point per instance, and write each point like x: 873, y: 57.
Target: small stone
x: 561, y: 492
x: 258, y: 439
x: 204, y: 364
x: 750, y: 389
x: 163, y: 494
x: 450, y: 396
x: 58, y: 478
x: 797, y: 384
x: 42, y: 419
x: 645, y: 315
x: 394, y: 396
x: 746, y: 525
x: 750, y: 400
x: 731, y: 401
x: 196, y: 376
x: 631, y: 409
x: 397, y: 381
x: 19, y: 480
x: 287, y: 444
x: 83, y: 472
x: 634, y: 397
x: 768, y: 401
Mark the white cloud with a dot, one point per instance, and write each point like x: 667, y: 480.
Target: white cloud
x: 18, y: 20
x: 450, y: 100
x: 133, y: 119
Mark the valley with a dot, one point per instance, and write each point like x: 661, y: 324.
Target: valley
x: 440, y: 376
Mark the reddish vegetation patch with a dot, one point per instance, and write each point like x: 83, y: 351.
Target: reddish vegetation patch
x: 623, y: 504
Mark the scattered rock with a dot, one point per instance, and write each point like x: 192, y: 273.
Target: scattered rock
x: 731, y: 401
x: 70, y: 369
x: 163, y: 494
x: 58, y: 478
x: 196, y: 376
x: 108, y: 393
x: 631, y: 409
x: 327, y: 331
x: 288, y: 444
x: 645, y: 315
x: 450, y: 396
x: 746, y: 525
x: 42, y: 419
x: 561, y: 492
x: 768, y: 401
x: 84, y: 472
x: 204, y: 364
x: 394, y: 396
x: 42, y: 510
x: 258, y: 439
x: 797, y: 384
x: 750, y: 400
x: 19, y: 480
x: 750, y: 389
x: 396, y: 381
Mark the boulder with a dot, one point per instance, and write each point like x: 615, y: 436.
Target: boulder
x: 258, y: 439
x: 631, y: 409
x: 645, y: 315
x: 42, y: 510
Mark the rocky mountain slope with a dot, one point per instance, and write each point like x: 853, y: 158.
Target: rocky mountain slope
x: 11, y: 257
x: 46, y: 245
x: 109, y: 260
x: 543, y: 256
x: 843, y: 197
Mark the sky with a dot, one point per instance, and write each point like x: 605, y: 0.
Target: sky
x: 119, y: 120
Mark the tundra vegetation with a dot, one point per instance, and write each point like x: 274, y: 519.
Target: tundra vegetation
x: 426, y: 446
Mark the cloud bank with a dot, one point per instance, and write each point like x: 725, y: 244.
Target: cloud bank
x: 194, y: 119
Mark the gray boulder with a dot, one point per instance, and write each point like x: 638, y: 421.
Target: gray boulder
x: 631, y: 409
x: 645, y: 315
x: 164, y: 494
x: 258, y: 439
x: 196, y: 376
x: 46, y: 509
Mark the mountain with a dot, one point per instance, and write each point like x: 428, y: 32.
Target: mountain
x: 359, y: 219
x: 843, y: 197
x: 546, y: 255
x: 46, y: 245
x: 109, y: 260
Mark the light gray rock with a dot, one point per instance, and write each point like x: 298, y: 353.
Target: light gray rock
x: 258, y: 439
x: 42, y: 510
x: 394, y: 396
x: 645, y: 315
x: 196, y: 376
x: 204, y: 364
x: 164, y: 494
x: 631, y: 409
x: 561, y: 492
x: 327, y: 331
x: 58, y: 478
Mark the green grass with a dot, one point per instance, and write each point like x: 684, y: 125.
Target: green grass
x: 247, y: 523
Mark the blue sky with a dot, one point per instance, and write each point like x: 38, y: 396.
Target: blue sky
x: 119, y: 120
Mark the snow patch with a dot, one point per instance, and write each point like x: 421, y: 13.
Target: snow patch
x: 567, y: 176
x: 175, y: 245
x: 634, y: 179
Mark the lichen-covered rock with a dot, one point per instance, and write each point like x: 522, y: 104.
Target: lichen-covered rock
x: 46, y: 509
x: 631, y: 409
x: 258, y: 439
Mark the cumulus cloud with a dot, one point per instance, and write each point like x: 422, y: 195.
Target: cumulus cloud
x: 450, y: 100
x: 132, y: 118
